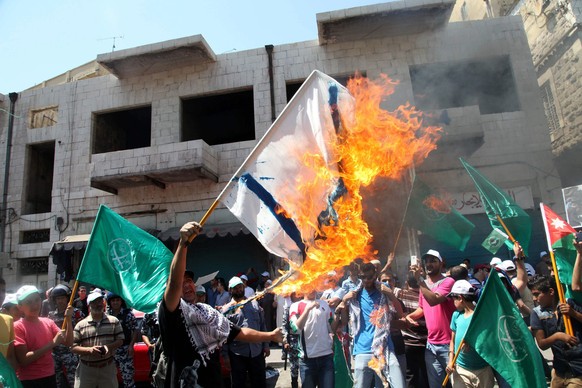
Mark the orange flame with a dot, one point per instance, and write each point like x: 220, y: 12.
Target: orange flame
x: 376, y: 143
x: 437, y: 204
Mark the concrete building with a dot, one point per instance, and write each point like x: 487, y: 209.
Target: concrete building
x: 155, y: 132
x: 554, y: 34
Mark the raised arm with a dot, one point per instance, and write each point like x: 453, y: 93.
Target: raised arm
x: 173, y: 291
x: 521, y: 280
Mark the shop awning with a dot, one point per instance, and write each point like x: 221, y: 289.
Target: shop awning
x: 70, y: 243
x: 209, y: 231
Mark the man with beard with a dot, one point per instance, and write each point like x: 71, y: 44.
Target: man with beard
x: 96, y: 339
x: 369, y: 311
x: 191, y: 332
x: 244, y: 357
x: 437, y: 310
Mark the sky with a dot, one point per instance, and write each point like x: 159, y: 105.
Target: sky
x: 41, y: 39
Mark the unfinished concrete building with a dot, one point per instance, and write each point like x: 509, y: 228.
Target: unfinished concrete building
x: 155, y: 132
x: 554, y: 35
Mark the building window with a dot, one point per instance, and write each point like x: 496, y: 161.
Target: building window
x: 488, y: 83
x: 122, y: 130
x: 35, y: 236
x: 34, y: 266
x: 550, y: 107
x: 45, y: 117
x: 40, y: 161
x: 219, y: 119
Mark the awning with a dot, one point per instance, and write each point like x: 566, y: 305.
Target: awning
x: 70, y: 243
x: 209, y: 231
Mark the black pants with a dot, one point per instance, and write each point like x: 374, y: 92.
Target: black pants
x: 45, y: 382
x: 416, y: 376
x: 255, y: 366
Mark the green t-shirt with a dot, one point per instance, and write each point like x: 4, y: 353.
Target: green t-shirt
x: 467, y: 359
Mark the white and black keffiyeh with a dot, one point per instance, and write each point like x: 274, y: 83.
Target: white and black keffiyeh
x: 207, y: 328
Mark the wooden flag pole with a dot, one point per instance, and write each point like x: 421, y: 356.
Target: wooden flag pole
x: 205, y: 217
x: 567, y: 322
x: 446, y: 380
x: 71, y: 300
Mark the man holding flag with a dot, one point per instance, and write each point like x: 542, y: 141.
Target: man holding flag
x: 191, y: 332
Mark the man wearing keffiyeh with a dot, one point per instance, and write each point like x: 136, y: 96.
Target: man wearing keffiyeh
x: 190, y: 331
x: 369, y: 313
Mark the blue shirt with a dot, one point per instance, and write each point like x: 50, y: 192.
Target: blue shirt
x: 369, y: 301
x: 468, y: 359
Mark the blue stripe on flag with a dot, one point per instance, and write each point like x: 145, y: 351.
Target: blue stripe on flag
x: 287, y: 224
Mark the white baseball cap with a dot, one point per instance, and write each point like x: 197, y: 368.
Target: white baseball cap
x: 507, y: 265
x: 432, y: 252
x: 244, y: 277
x: 529, y: 269
x: 25, y: 291
x: 495, y: 261
x: 200, y: 289
x: 543, y: 253
x: 266, y: 274
x: 462, y: 287
x: 9, y: 299
x: 375, y: 262
x: 94, y: 295
x: 234, y: 281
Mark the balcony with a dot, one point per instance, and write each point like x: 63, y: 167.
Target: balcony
x: 156, y: 166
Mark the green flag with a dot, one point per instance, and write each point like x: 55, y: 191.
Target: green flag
x: 498, y: 202
x: 499, y: 335
x: 436, y: 218
x: 494, y: 241
x: 126, y: 260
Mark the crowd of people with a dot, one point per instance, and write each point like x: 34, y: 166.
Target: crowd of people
x: 365, y: 321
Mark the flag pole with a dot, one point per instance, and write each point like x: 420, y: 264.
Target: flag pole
x: 405, y: 211
x: 560, y: 289
x: 446, y: 380
x: 71, y: 300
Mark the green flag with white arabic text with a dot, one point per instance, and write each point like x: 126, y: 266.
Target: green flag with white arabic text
x: 126, y: 260
x: 435, y: 217
x: 499, y: 335
x: 498, y: 203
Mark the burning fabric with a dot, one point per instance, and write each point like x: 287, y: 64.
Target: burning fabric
x: 298, y: 191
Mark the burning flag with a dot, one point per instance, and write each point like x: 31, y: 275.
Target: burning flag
x: 298, y: 191
x: 436, y: 218
x: 498, y: 203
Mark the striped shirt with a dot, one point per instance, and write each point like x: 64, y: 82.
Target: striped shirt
x: 89, y: 333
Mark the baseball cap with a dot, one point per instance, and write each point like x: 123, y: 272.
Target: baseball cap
x: 234, y: 281
x: 94, y: 295
x: 543, y: 253
x: 375, y: 262
x: 200, y: 290
x: 529, y: 269
x: 266, y: 274
x: 462, y: 287
x: 495, y: 261
x: 10, y: 299
x: 25, y: 291
x: 432, y: 252
x: 507, y: 265
x: 244, y: 277
x: 189, y: 274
